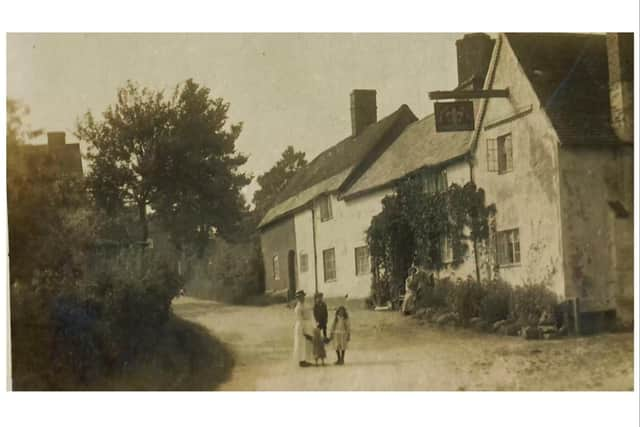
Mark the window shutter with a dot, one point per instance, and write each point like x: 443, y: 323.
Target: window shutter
x: 492, y: 155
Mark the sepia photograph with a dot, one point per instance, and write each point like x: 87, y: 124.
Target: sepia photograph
x: 320, y: 211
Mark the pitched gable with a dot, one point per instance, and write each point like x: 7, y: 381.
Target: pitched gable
x: 339, y: 163
x: 569, y: 74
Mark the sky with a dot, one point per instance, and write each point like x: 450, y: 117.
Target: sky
x: 287, y: 88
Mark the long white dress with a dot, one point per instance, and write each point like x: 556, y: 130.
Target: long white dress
x: 301, y: 346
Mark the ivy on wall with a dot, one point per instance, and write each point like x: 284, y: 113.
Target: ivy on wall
x: 416, y: 226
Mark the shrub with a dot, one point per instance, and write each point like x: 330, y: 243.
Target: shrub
x: 496, y: 302
x: 436, y: 296
x: 466, y: 299
x: 530, y: 301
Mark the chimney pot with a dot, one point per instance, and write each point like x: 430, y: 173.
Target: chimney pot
x: 364, y: 109
x: 474, y: 54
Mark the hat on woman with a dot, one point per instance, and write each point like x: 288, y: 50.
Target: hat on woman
x: 300, y: 293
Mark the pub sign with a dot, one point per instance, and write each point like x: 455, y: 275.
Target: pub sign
x: 454, y: 116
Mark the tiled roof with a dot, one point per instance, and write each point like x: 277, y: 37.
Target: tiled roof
x: 419, y: 146
x: 329, y: 170
x: 570, y: 75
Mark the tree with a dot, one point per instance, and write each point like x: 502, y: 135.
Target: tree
x: 175, y: 157
x: 276, y: 179
x: 123, y: 150
x: 198, y: 170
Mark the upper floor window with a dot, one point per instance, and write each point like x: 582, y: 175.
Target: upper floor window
x: 304, y: 262
x: 435, y: 182
x: 276, y: 268
x: 362, y: 260
x: 329, y: 262
x: 325, y: 208
x: 500, y: 154
x: 446, y: 250
x: 508, y: 247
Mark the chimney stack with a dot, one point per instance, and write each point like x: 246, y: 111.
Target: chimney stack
x: 474, y: 54
x: 56, y: 139
x: 620, y: 55
x: 363, y: 109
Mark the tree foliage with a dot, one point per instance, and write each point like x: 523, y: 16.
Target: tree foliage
x: 414, y: 226
x: 174, y: 156
x: 276, y: 179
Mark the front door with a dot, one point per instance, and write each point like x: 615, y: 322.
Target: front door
x: 292, y: 274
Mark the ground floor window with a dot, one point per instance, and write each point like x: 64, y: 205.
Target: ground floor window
x: 508, y: 247
x: 329, y: 261
x: 304, y: 262
x: 362, y: 260
x: 276, y: 268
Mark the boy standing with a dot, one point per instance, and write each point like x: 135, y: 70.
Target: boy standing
x: 320, y: 313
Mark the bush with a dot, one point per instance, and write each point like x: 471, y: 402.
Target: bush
x: 530, y: 301
x: 466, y: 299
x: 435, y: 296
x: 68, y: 334
x: 496, y: 302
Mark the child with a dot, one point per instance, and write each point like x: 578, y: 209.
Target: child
x: 341, y: 333
x: 317, y: 340
x: 320, y: 313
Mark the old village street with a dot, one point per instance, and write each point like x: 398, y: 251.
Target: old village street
x: 391, y: 352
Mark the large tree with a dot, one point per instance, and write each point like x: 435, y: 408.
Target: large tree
x: 123, y: 150
x: 173, y: 156
x: 275, y: 179
x: 199, y: 173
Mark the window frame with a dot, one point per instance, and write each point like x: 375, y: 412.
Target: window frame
x: 325, y: 200
x: 508, y: 243
x: 504, y: 145
x: 325, y: 252
x: 304, y: 262
x: 365, y: 261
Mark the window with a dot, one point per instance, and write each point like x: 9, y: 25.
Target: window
x: 276, y: 268
x: 362, y: 260
x: 500, y: 154
x: 508, y: 247
x: 304, y: 262
x: 329, y: 260
x: 505, y: 154
x: 325, y: 208
x: 446, y: 250
x: 435, y: 182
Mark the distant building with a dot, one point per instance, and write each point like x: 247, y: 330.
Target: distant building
x: 56, y: 156
x: 555, y: 157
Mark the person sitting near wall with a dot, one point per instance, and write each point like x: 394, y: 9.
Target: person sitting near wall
x: 410, y: 289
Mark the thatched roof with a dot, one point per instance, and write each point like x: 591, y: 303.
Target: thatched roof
x: 339, y: 163
x: 418, y: 147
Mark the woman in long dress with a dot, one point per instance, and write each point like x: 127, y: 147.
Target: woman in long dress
x: 301, y: 345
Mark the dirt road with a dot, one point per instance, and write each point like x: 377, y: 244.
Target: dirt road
x: 390, y: 352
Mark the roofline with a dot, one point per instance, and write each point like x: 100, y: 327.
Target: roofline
x: 350, y: 175
x: 356, y: 171
x: 361, y: 193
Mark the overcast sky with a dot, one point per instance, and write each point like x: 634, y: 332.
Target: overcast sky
x: 288, y: 89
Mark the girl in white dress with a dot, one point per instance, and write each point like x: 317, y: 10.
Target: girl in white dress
x: 341, y: 333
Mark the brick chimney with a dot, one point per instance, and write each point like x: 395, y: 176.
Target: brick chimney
x: 364, y: 109
x: 56, y: 139
x: 620, y: 55
x: 474, y: 54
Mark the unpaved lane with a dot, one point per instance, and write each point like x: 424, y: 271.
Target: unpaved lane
x: 390, y: 352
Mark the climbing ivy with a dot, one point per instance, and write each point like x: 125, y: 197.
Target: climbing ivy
x: 414, y: 225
